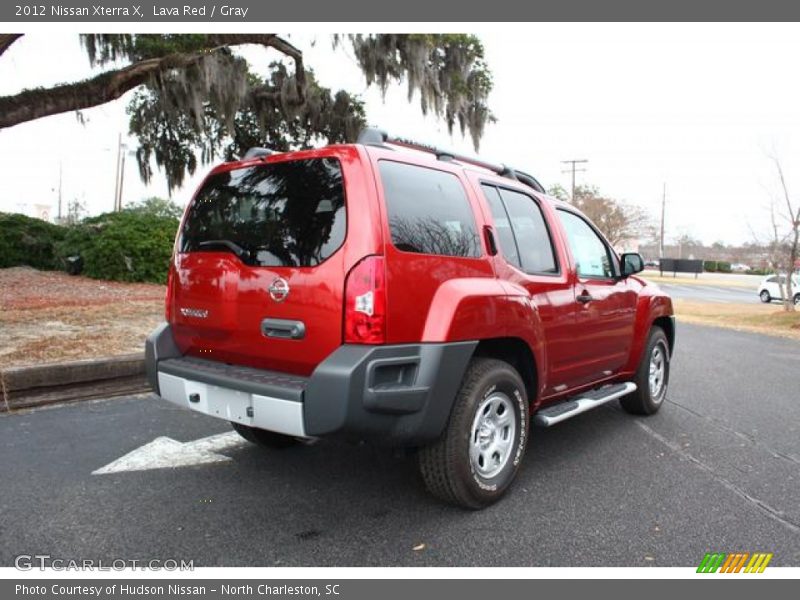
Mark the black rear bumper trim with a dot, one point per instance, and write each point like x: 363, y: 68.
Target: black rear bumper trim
x: 396, y: 394
x: 236, y: 377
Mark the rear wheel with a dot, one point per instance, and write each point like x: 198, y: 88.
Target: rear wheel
x: 765, y: 297
x: 652, y: 377
x: 797, y: 299
x: 481, y: 449
x: 262, y: 437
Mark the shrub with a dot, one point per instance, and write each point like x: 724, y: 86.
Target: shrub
x: 130, y: 245
x: 710, y: 266
x: 159, y: 207
x: 723, y: 266
x: 28, y: 241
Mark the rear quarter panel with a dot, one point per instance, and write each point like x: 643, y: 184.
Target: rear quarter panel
x: 433, y: 298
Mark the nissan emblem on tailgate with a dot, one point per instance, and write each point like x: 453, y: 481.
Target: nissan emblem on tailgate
x: 279, y: 289
x: 197, y: 313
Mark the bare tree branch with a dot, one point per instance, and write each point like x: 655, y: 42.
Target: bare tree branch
x: 6, y: 39
x: 793, y: 236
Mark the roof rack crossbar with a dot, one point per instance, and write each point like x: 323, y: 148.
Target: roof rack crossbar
x: 377, y: 137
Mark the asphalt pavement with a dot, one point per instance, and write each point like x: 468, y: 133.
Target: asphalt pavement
x: 711, y: 293
x: 717, y: 469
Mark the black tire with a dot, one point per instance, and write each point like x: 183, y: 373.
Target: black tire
x: 797, y: 299
x: 262, y: 437
x: 646, y: 401
x: 765, y: 297
x: 446, y: 465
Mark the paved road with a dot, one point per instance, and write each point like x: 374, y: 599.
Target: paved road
x: 712, y: 293
x: 717, y: 469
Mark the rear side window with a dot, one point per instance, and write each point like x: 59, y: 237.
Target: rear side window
x: 428, y: 211
x: 502, y: 225
x: 533, y: 239
x: 522, y: 231
x: 287, y: 214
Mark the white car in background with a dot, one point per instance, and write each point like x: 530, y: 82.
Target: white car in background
x: 770, y: 288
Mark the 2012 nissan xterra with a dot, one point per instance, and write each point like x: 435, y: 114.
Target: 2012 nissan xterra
x: 394, y: 292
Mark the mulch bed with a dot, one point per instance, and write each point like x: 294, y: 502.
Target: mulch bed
x: 50, y: 316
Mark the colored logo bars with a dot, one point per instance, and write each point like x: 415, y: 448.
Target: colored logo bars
x: 734, y: 563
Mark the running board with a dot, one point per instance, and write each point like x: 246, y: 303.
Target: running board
x: 580, y: 404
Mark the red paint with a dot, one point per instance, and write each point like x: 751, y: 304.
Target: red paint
x: 418, y: 297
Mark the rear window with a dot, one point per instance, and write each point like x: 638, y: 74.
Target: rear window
x: 428, y: 211
x: 287, y: 214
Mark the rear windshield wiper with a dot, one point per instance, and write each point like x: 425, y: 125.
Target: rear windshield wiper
x: 232, y: 246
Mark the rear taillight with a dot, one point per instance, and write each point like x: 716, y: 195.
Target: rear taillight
x: 365, y: 302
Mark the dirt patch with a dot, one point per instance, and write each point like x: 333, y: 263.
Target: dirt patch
x: 49, y: 316
x: 757, y: 318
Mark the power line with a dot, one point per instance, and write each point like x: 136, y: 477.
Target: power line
x: 573, y: 169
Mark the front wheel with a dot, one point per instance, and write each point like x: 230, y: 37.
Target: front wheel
x: 481, y: 449
x: 765, y: 297
x: 797, y: 299
x: 652, y: 377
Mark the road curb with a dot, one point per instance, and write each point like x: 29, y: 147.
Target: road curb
x: 27, y: 387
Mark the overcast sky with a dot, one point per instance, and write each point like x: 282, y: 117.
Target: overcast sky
x: 696, y: 106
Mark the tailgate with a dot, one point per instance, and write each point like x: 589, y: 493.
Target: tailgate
x: 259, y: 270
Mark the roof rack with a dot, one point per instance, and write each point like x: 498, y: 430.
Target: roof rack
x: 372, y: 136
x: 257, y: 153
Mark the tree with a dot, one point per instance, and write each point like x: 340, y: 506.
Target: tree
x: 76, y: 210
x: 196, y: 99
x: 784, y: 249
x: 689, y: 246
x: 618, y: 221
x: 158, y: 207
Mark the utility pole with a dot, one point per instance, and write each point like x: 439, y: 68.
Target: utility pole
x: 663, y: 211
x: 573, y: 169
x: 60, y: 173
x: 117, y: 181
x: 121, y: 182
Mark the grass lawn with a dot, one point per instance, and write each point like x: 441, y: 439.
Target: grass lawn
x: 757, y: 318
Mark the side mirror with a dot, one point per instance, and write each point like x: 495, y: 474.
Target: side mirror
x: 632, y: 263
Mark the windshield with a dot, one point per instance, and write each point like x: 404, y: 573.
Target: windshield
x: 287, y: 214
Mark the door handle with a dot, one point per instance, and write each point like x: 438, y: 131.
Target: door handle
x: 283, y: 328
x: 584, y: 297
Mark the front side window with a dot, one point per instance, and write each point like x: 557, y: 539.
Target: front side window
x: 428, y: 211
x: 592, y: 258
x: 285, y: 214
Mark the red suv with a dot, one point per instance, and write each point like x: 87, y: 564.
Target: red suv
x: 394, y: 292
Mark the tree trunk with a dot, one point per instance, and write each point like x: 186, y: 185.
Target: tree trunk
x: 6, y: 39
x: 34, y: 104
